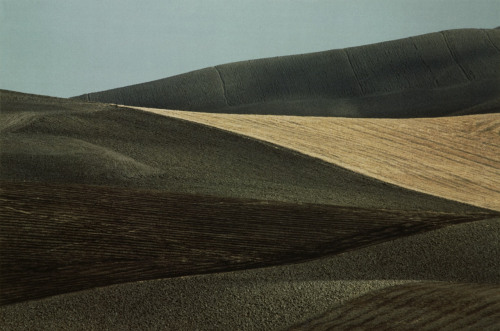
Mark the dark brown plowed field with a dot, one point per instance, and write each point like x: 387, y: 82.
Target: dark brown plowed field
x: 417, y: 306
x: 273, y: 298
x: 63, y: 238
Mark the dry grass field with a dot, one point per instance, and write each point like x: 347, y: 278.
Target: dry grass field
x: 457, y: 158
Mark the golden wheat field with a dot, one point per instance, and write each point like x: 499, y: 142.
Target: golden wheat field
x: 456, y: 158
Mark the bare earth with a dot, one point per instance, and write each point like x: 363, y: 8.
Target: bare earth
x: 457, y: 158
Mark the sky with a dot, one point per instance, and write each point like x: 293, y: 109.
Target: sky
x: 69, y: 47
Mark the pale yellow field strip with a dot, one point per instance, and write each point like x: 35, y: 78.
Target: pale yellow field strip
x: 453, y: 157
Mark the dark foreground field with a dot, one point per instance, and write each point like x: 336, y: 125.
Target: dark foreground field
x: 63, y: 238
x: 276, y: 298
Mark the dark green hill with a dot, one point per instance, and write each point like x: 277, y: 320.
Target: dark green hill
x: 435, y: 74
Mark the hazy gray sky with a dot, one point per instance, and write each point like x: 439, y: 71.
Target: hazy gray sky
x: 69, y: 47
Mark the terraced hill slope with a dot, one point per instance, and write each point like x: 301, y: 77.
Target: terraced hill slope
x: 443, y: 73
x: 457, y: 158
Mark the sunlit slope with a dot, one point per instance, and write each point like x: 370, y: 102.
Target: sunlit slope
x: 71, y: 142
x: 453, y: 157
x: 429, y: 75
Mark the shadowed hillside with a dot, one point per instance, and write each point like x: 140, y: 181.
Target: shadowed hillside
x: 66, y: 141
x: 429, y: 75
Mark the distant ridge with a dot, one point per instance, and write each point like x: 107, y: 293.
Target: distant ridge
x: 437, y: 74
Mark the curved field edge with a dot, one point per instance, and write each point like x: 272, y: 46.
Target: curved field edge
x: 416, y: 306
x: 63, y: 238
x: 429, y: 75
x: 457, y: 158
x: 274, y: 297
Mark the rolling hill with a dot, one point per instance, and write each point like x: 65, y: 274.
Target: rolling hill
x: 457, y: 158
x: 370, y: 201
x: 65, y: 141
x: 437, y: 74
